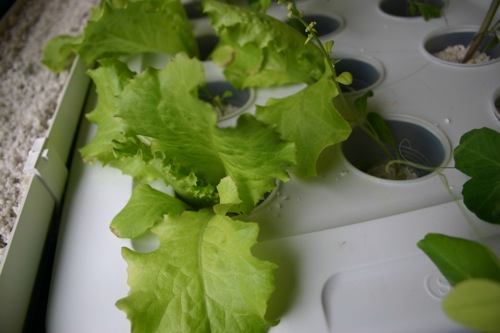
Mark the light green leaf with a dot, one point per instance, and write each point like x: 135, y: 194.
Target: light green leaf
x: 131, y: 27
x: 229, y: 197
x: 259, y: 5
x: 110, y: 79
x: 259, y: 50
x: 328, y: 45
x: 460, y: 259
x: 344, y: 78
x: 59, y: 52
x: 475, y: 304
x: 192, y: 151
x: 309, y: 119
x: 478, y: 156
x: 202, y: 278
x: 145, y: 208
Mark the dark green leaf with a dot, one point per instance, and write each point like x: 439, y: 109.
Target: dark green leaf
x: 361, y: 103
x: 383, y: 131
x: 460, y: 259
x: 428, y: 11
x: 493, y: 42
x: 478, y: 156
x: 482, y: 196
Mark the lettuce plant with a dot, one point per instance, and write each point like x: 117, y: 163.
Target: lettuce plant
x: 153, y: 125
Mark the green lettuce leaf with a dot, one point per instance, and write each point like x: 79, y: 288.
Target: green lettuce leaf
x: 145, y: 208
x: 309, y: 119
x: 202, y: 278
x: 162, y: 109
x: 124, y: 28
x: 261, y: 51
x: 110, y: 79
x: 478, y: 156
x: 229, y: 197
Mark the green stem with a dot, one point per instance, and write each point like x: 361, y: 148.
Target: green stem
x: 353, y: 114
x: 483, y: 31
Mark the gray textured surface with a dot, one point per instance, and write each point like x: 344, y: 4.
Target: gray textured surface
x: 28, y: 91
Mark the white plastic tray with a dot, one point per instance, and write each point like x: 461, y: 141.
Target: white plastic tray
x: 47, y: 174
x: 345, y: 243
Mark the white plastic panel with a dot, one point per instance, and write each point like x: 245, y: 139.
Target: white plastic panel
x: 22, y: 257
x: 46, y: 175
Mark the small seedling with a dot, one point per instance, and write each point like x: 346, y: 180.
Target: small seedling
x: 424, y: 8
x: 372, y: 123
x: 219, y: 102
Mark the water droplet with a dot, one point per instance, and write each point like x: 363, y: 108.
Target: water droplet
x: 344, y: 173
x: 277, y: 215
x: 298, y: 199
x: 452, y: 187
x: 362, y: 50
x: 278, y: 205
x: 447, y: 120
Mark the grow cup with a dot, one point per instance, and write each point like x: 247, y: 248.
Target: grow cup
x: 194, y: 10
x: 441, y: 39
x: 418, y: 142
x: 366, y: 73
x: 400, y: 8
x: 237, y: 102
x: 206, y: 44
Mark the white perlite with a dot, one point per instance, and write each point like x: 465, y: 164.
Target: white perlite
x: 457, y: 52
x: 29, y: 91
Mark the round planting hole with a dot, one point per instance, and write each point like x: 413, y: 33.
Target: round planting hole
x: 418, y: 142
x: 401, y: 8
x: 206, y: 44
x: 325, y: 25
x: 449, y: 46
x: 366, y: 73
x: 227, y: 100
x: 194, y: 10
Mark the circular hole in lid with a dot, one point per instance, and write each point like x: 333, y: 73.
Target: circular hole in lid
x: 194, y: 10
x: 366, y: 73
x: 234, y: 101
x: 449, y: 45
x: 325, y: 25
x: 401, y: 8
x: 206, y: 44
x: 418, y: 142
